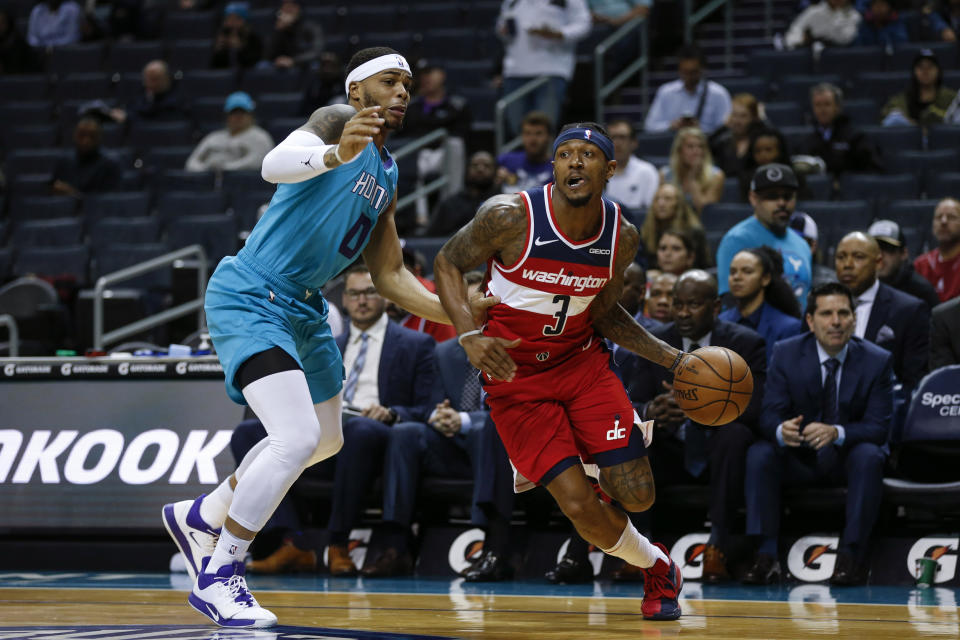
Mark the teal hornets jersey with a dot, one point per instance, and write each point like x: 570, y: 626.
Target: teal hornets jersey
x: 313, y: 230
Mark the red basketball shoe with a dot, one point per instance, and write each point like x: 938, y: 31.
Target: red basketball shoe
x: 661, y: 588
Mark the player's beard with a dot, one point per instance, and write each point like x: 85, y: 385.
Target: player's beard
x: 366, y: 100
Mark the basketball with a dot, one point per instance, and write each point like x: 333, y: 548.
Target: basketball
x: 713, y: 385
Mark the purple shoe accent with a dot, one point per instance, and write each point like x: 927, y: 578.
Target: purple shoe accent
x: 211, y: 612
x: 194, y: 520
x: 178, y: 534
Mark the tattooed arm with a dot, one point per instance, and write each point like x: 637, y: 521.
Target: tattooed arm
x: 499, y: 229
x: 332, y: 136
x: 613, y: 321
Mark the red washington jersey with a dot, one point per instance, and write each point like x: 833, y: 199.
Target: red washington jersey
x: 545, y: 296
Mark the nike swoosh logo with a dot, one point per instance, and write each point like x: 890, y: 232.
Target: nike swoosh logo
x: 213, y: 613
x: 540, y: 242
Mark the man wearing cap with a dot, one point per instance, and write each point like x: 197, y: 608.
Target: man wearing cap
x: 773, y: 194
x: 896, y: 269
x: 336, y: 198
x: 941, y: 266
x: 241, y: 145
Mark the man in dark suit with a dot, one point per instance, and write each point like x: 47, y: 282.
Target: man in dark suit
x: 826, y: 416
x: 391, y: 375
x: 889, y: 318
x: 683, y: 451
x: 945, y: 334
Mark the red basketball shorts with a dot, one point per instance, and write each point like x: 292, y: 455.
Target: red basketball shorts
x: 576, y: 410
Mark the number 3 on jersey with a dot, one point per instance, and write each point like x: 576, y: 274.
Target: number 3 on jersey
x: 561, y: 316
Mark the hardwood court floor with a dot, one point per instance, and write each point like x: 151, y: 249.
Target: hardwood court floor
x: 488, y: 614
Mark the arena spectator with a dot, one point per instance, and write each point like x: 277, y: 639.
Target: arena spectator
x: 926, y: 101
x: 941, y: 266
x: 16, y: 56
x: 829, y: 22
x: 766, y: 145
x: 806, y: 227
x: 950, y: 14
x: 241, y: 145
x: 659, y: 301
x: 692, y: 170
x: 677, y: 252
x: 818, y: 431
x: 690, y: 101
x: 669, y: 211
x: 457, y: 210
x: 540, y: 40
x: 764, y: 301
x: 88, y: 170
x: 324, y: 85
x: 881, y: 25
x: 295, y: 41
x: 730, y: 144
x: 635, y: 181
x: 161, y: 99
x: 54, y: 23
x: 889, y: 318
x: 618, y: 12
x: 945, y: 334
x: 834, y: 138
x: 414, y: 263
x: 773, y: 195
x: 236, y: 44
x: 896, y: 269
x: 533, y: 166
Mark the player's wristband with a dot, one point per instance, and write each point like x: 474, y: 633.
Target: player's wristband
x: 676, y: 362
x: 475, y: 332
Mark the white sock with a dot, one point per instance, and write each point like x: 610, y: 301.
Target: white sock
x: 229, y: 549
x: 216, y: 504
x: 636, y: 549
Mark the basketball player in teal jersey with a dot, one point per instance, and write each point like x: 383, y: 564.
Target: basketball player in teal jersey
x: 335, y: 198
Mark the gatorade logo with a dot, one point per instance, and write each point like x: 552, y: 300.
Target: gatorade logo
x: 124, y: 368
x: 813, y: 558
x: 66, y: 369
x: 466, y: 548
x: 943, y: 550
x: 181, y: 368
x: 687, y: 552
x: 9, y: 369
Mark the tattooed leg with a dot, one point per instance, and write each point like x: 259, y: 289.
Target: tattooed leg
x: 630, y: 484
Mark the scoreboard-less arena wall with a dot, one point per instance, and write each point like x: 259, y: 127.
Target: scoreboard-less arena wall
x: 102, y: 443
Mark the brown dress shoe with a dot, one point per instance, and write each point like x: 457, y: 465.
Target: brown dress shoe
x: 286, y: 559
x: 341, y: 564
x: 714, y: 565
x: 389, y: 563
x: 628, y: 573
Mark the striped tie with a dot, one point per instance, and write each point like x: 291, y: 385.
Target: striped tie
x: 351, y: 387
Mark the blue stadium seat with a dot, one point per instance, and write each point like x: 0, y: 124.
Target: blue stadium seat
x: 464, y: 73
x: 115, y: 257
x: 111, y: 205
x: 6, y: 261
x: 720, y: 216
x: 25, y: 87
x: 185, y: 55
x: 124, y: 230
x: 76, y: 58
x: 31, y: 137
x: 209, y: 109
x: 53, y: 261
x: 893, y: 139
x: 916, y: 214
x: 278, y: 105
x: 426, y: 247
x: 95, y: 85
x: 943, y: 185
x: 202, y: 83
x: 820, y: 186
x: 862, y: 111
x: 183, y: 180
x: 33, y: 161
x: 785, y: 114
x: 879, y: 85
x: 903, y: 55
x: 482, y: 101
x: 360, y: 20
x: 132, y: 56
x: 163, y: 158
x: 262, y: 21
x: 246, y: 205
x: 439, y: 15
x: 30, y: 184
x: 851, y: 61
x: 797, y: 87
x: 923, y: 164
x: 54, y: 232
x: 731, y: 190
x: 944, y: 136
x: 396, y: 40
x: 259, y: 81
x: 26, y: 112
x: 772, y: 64
x: 191, y: 24
x: 280, y: 128
x: 482, y: 13
x: 36, y: 207
x: 441, y: 44
x: 864, y: 186
x: 147, y: 135
x: 756, y: 86
x: 216, y: 233
x: 796, y: 136
x: 242, y: 181
x: 837, y: 218
x: 176, y: 204
x: 654, y: 144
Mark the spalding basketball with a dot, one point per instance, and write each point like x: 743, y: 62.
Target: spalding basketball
x: 713, y: 385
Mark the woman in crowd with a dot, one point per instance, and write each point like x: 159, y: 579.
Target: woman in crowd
x: 764, y: 300
x: 926, y: 101
x: 670, y: 211
x: 766, y: 145
x: 677, y: 252
x: 692, y: 170
x: 731, y: 143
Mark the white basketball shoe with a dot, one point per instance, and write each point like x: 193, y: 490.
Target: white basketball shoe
x: 224, y: 598
x: 195, y: 538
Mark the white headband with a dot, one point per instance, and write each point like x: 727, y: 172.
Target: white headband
x: 375, y: 66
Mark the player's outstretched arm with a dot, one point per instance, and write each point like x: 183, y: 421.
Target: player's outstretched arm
x: 332, y: 136
x: 498, y: 228
x: 613, y: 321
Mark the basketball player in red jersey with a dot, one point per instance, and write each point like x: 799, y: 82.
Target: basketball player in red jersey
x: 556, y: 257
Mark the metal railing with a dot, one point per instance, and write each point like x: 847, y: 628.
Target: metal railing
x: 101, y: 339
x: 499, y: 116
x: 601, y: 90
x: 692, y: 18
x: 14, y: 338
x: 436, y: 184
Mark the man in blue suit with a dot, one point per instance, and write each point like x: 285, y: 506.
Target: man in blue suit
x: 826, y: 417
x: 683, y: 451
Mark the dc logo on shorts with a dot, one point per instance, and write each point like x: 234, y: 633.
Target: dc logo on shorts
x: 543, y: 355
